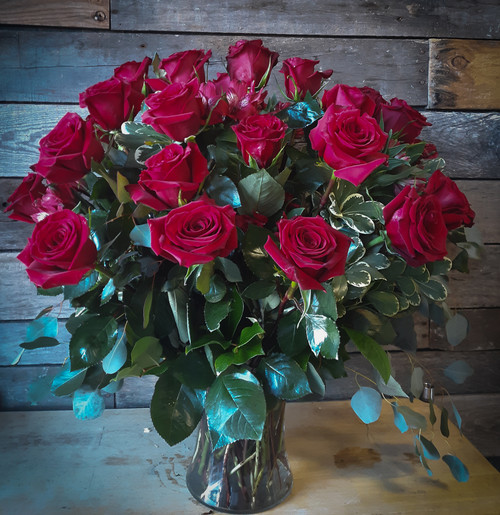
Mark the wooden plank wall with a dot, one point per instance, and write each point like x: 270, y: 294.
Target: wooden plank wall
x: 442, y: 57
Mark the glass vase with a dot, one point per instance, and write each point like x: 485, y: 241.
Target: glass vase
x: 246, y: 476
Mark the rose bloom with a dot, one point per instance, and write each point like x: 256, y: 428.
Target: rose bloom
x: 66, y: 152
x: 416, y: 227
x: 311, y: 251
x: 32, y: 200
x: 114, y: 101
x: 172, y: 174
x: 350, y: 142
x: 185, y: 66
x: 176, y: 110
x: 250, y: 61
x: 399, y: 116
x: 260, y: 136
x: 215, y: 104
x: 348, y: 96
x: 59, y: 251
x: 454, y: 204
x: 377, y: 98
x: 195, y: 233
x: 300, y: 77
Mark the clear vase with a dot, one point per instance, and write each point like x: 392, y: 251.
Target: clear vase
x: 246, y: 476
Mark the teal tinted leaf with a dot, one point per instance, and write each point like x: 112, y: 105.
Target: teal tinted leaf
x: 236, y: 408
x: 39, y: 389
x: 292, y: 337
x: 215, y: 313
x: 430, y: 451
x: 302, y: 114
x: 421, y: 455
x: 53, y: 292
x: 372, y: 351
x: 260, y: 193
x: 417, y: 382
x: 391, y: 389
x: 113, y: 387
x: 239, y: 355
x: 412, y: 418
x: 141, y: 235
x: 367, y: 404
x: 229, y: 269
x: 175, y: 409
x: 107, y: 292
x: 445, y: 430
x: 399, y: 420
x: 457, y: 328
x: 284, y: 377
x: 316, y: 383
x: 87, y: 405
x: 92, y: 341
x: 323, y: 336
x: 217, y: 289
x: 178, y: 300
x: 66, y: 381
x: 256, y: 258
x: 458, y: 418
x: 270, y: 302
x: 433, y: 289
x: 223, y: 190
x: 457, y: 468
x: 384, y: 302
x: 259, y: 290
x: 44, y: 326
x: 458, y: 371
x: 76, y: 290
x: 323, y: 303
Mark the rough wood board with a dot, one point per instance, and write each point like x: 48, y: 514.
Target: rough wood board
x: 483, y: 332
x: 320, y: 17
x: 464, y: 74
x: 119, y: 464
x: 55, y: 66
x: 85, y: 14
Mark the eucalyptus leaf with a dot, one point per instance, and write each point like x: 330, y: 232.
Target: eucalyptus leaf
x: 417, y: 382
x: 430, y: 451
x: 66, y: 382
x: 399, y: 420
x: 457, y: 328
x: 88, y: 405
x: 367, y: 404
x: 457, y: 468
x: 413, y: 419
x: 443, y: 426
x: 458, y: 371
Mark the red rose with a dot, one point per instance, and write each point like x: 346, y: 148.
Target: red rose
x: 243, y: 221
x: 215, y: 104
x: 311, y: 251
x: 250, y: 61
x: 377, y: 98
x: 114, y: 101
x: 195, y: 233
x: 172, y: 174
x: 67, y: 151
x: 348, y: 96
x: 350, y: 142
x: 59, y: 251
x: 175, y: 110
x: 454, y: 204
x: 300, y: 77
x: 416, y: 226
x: 33, y: 200
x: 260, y: 136
x: 185, y: 66
x: 399, y: 116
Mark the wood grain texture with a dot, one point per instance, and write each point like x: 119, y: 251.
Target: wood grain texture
x: 52, y: 66
x: 85, y: 14
x: 319, y: 17
x: 464, y: 74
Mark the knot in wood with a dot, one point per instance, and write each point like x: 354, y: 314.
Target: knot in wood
x: 459, y: 62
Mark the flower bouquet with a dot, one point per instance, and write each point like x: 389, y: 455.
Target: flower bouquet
x: 234, y: 246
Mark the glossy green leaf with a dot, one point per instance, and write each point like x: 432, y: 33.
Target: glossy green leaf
x: 88, y: 405
x: 229, y: 269
x: 256, y: 258
x: 372, y: 351
x: 323, y: 336
x: 146, y: 310
x: 146, y: 352
x: 141, y: 235
x: 213, y: 338
x: 184, y: 366
x: 384, y: 302
x: 367, y: 404
x: 66, y: 381
x: 108, y: 291
x: 216, y: 312
x: 323, y: 303
x: 230, y: 324
x: 236, y: 408
x: 260, y: 193
x: 203, y: 280
x: 175, y: 409
x: 259, y: 289
x: 249, y: 332
x: 433, y: 289
x: 316, y: 383
x: 284, y: 377
x: 76, y: 290
x: 178, y: 300
x: 216, y: 290
x: 292, y: 337
x: 239, y: 355
x: 223, y: 190
x: 117, y: 357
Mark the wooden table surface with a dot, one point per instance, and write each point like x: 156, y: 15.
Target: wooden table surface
x: 52, y: 463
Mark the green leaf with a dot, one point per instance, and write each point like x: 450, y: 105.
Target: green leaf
x: 217, y: 289
x: 292, y: 337
x: 323, y: 303
x: 430, y: 451
x: 146, y: 352
x: 457, y: 468
x: 141, y: 235
x: 392, y: 388
x: 433, y: 289
x: 323, y: 336
x: 236, y: 408
x: 92, y: 341
x: 339, y: 287
x: 214, y: 338
x: 216, y: 312
x: 230, y: 324
x: 88, y: 282
x: 229, y: 269
x: 284, y: 377
x: 147, y: 309
x: 66, y: 381
x: 372, y: 351
x: 256, y: 258
x: 117, y: 357
x: 87, y: 405
x: 175, y: 409
x: 247, y: 333
x: 107, y: 292
x: 457, y: 328
x: 445, y: 430
x: 239, y: 355
x: 193, y: 370
x: 259, y: 290
x: 260, y: 193
x: 178, y: 300
x: 417, y: 382
x: 413, y: 419
x: 53, y: 292
x: 223, y: 190
x: 384, y: 302
x: 316, y: 383
x: 204, y: 278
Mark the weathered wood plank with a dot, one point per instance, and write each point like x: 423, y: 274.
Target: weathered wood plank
x: 469, y: 142
x: 52, y: 66
x: 321, y: 17
x: 483, y: 332
x: 85, y: 14
x: 464, y: 74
